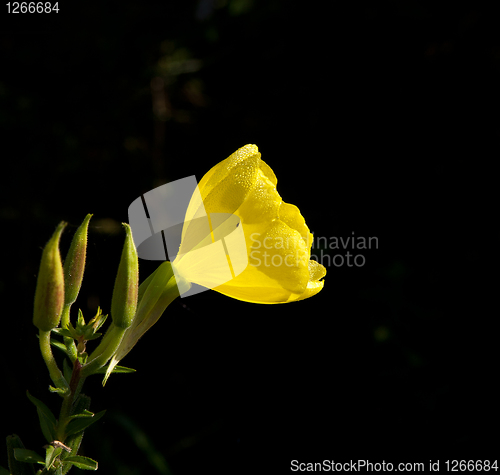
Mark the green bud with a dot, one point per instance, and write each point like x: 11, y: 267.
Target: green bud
x: 74, y: 264
x: 124, y: 300
x: 49, y: 294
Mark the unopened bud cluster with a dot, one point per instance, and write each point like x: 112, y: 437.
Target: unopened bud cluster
x: 58, y: 287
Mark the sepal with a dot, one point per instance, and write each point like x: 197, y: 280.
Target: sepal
x: 116, y: 369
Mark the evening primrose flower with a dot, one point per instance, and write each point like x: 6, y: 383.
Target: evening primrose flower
x: 278, y: 241
x: 235, y: 210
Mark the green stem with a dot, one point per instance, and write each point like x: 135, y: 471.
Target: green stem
x: 54, y: 371
x: 64, y: 418
x: 76, y: 382
x: 115, y: 337
x: 75, y: 387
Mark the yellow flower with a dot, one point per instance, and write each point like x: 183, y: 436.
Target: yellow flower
x: 278, y: 241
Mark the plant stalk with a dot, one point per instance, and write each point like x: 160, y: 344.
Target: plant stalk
x: 54, y: 371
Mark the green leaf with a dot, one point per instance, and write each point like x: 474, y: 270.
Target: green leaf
x: 18, y: 468
x: 116, y: 369
x: 81, y: 321
x: 47, y: 419
x: 95, y: 336
x: 28, y: 456
x: 82, y: 404
x: 4, y: 471
x: 102, y: 319
x: 70, y: 349
x: 63, y: 332
x: 85, y: 413
x: 51, y: 453
x: 73, y: 442
x: 80, y: 424
x: 84, y: 463
x: 60, y: 391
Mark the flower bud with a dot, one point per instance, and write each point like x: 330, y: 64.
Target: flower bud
x: 74, y: 264
x: 124, y: 300
x: 49, y: 294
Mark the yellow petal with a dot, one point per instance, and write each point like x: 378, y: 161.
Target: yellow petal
x: 230, y: 180
x: 224, y: 187
x: 312, y: 289
x: 316, y: 270
x: 281, y: 254
x: 266, y: 170
x: 291, y: 216
x: 255, y: 287
x: 262, y: 202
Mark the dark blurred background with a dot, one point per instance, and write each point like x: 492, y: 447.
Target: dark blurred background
x: 378, y: 118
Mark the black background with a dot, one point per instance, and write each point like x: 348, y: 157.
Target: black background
x: 378, y: 118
